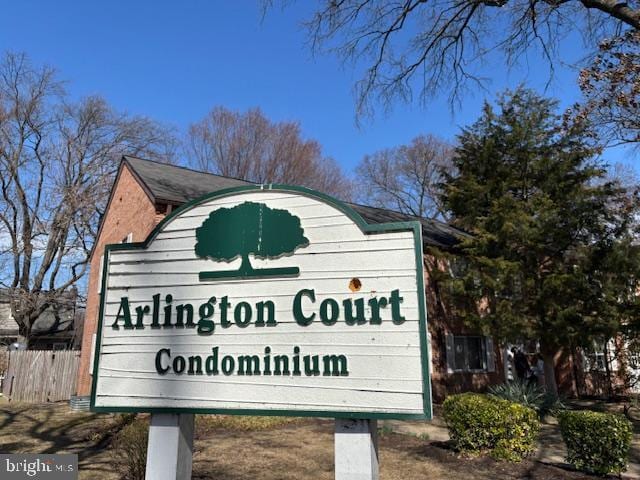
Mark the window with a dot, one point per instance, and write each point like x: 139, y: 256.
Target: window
x: 469, y: 353
x: 595, y: 357
x: 458, y: 267
x: 476, y: 355
x: 460, y: 353
x: 633, y: 354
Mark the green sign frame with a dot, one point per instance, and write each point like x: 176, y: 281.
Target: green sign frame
x: 366, y: 228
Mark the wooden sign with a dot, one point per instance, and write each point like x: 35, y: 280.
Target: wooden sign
x: 256, y: 300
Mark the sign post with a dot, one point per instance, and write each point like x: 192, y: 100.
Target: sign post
x: 170, y: 446
x: 264, y: 300
x: 356, y: 449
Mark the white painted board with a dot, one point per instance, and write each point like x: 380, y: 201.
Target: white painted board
x: 367, y: 370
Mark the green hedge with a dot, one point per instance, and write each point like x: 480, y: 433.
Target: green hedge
x: 481, y: 423
x: 596, y: 442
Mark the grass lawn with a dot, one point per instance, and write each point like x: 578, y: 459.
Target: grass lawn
x: 234, y: 448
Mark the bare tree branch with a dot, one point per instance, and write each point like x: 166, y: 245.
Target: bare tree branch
x: 57, y: 161
x: 251, y: 147
x: 407, y: 178
x: 617, y: 9
x: 408, y: 48
x: 611, y: 89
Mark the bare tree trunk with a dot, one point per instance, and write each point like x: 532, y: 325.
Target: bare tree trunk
x: 24, y: 335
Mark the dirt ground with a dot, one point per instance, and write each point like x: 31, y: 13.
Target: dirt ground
x: 226, y: 451
x: 305, y: 451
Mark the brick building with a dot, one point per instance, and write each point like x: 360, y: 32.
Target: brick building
x: 145, y: 192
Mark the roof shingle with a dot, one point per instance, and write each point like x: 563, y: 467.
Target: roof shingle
x: 177, y: 185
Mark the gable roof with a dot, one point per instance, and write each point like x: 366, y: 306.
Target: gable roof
x: 176, y: 185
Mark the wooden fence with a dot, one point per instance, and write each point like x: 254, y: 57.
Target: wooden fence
x: 37, y: 376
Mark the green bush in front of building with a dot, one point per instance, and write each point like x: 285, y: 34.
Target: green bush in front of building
x: 596, y: 442
x: 485, y: 424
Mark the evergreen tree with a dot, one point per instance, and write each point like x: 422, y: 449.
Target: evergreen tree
x: 551, y: 255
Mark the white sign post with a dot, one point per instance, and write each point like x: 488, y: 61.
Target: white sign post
x: 265, y: 301
x: 356, y: 449
x: 170, y: 446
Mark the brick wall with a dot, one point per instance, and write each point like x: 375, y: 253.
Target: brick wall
x: 130, y: 211
x: 442, y: 322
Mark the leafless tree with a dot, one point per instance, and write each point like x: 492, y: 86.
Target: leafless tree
x: 407, y: 178
x: 611, y: 89
x: 434, y: 46
x: 57, y: 160
x: 251, y: 147
x: 624, y: 175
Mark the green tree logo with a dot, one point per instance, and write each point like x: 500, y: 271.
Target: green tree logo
x: 249, y: 229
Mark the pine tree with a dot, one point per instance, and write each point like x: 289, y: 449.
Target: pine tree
x: 551, y: 252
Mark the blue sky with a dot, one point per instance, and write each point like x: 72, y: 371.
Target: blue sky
x: 173, y: 61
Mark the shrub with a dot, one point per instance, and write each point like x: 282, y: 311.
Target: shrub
x: 529, y: 395
x: 596, y: 442
x: 129, y: 449
x: 481, y: 423
x: 384, y: 431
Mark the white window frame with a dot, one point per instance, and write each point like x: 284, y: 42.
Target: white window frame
x: 596, y: 361
x: 595, y: 358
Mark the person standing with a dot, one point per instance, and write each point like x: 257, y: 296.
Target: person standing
x: 521, y: 364
x: 538, y: 369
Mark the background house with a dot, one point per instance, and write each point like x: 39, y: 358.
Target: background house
x: 59, y: 327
